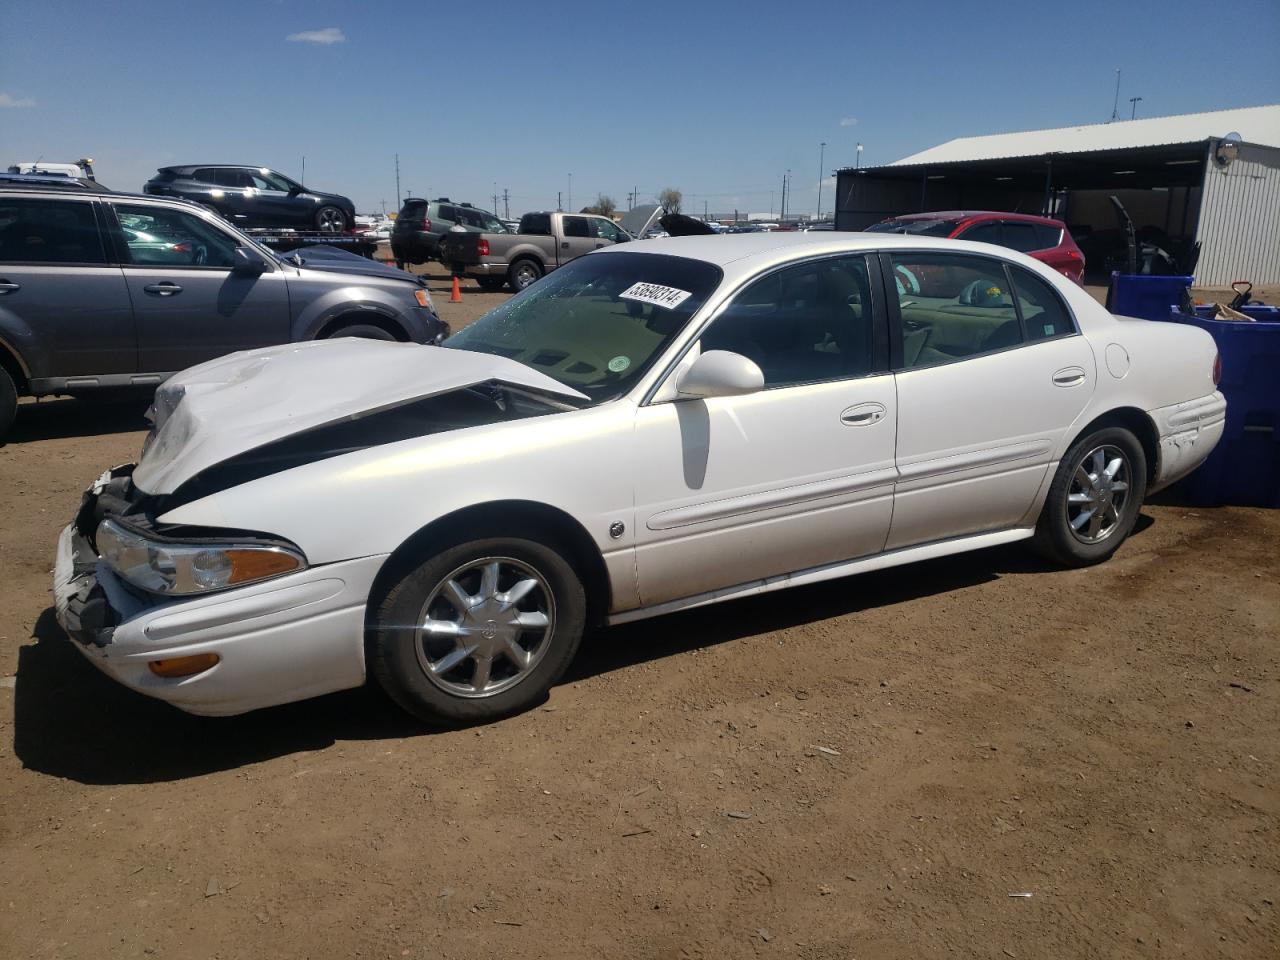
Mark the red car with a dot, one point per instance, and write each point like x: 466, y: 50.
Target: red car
x: 1047, y: 240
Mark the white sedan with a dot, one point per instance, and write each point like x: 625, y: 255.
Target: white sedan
x: 650, y: 428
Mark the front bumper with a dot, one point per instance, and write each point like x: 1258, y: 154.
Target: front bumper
x: 287, y: 639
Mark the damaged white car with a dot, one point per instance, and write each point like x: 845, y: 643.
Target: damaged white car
x: 650, y: 428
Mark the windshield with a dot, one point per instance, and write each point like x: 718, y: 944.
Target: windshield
x: 923, y: 228
x: 597, y: 323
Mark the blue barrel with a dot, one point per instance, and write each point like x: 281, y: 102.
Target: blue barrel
x: 1138, y: 295
x: 1244, y: 468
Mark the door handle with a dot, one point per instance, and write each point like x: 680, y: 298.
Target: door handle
x: 565, y: 245
x: 1069, y: 377
x: 7, y: 287
x: 165, y: 289
x: 863, y: 414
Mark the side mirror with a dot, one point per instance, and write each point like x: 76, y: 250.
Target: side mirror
x: 720, y: 373
x: 622, y: 237
x: 248, y: 262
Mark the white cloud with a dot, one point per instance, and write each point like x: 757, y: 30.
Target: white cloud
x: 8, y: 101
x: 848, y: 121
x: 326, y: 36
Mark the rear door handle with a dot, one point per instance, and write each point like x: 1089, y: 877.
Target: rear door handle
x: 863, y: 414
x: 166, y: 289
x: 565, y: 245
x: 1069, y: 377
x: 7, y: 287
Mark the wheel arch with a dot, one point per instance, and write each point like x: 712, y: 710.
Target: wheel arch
x: 520, y: 518
x: 12, y: 364
x: 1136, y: 422
x: 367, y: 317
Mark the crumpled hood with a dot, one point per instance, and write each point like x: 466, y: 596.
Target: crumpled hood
x: 213, y: 411
x: 335, y: 260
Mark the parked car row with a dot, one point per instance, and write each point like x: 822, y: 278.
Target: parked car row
x: 102, y: 290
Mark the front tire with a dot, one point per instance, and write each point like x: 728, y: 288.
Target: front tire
x: 479, y: 631
x: 1094, y: 500
x: 366, y: 331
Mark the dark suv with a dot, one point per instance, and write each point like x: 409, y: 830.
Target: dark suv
x: 420, y: 224
x: 104, y: 290
x: 254, y: 196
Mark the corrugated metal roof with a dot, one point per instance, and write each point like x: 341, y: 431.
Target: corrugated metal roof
x: 1260, y: 125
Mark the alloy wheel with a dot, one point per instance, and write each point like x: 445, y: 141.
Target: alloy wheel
x: 332, y: 220
x: 485, y: 627
x: 1098, y: 494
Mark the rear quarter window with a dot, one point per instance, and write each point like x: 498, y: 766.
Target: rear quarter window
x: 1048, y: 236
x: 38, y: 230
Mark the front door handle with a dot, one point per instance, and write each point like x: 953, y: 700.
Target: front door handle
x: 166, y: 289
x: 1069, y: 377
x: 565, y: 245
x: 7, y: 287
x: 863, y: 414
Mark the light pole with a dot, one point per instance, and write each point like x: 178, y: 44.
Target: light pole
x: 858, y: 162
x: 571, y: 191
x: 1133, y: 114
x: 822, y: 151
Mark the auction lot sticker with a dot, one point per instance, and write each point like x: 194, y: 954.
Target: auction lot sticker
x: 666, y: 297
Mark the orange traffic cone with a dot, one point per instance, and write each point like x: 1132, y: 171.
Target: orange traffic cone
x: 456, y: 295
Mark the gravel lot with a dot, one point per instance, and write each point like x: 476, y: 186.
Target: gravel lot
x: 867, y: 768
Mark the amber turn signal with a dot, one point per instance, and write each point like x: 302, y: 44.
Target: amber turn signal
x: 248, y: 565
x: 184, y: 666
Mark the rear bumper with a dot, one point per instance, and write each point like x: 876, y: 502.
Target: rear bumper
x: 486, y: 270
x: 287, y: 639
x: 1187, y: 432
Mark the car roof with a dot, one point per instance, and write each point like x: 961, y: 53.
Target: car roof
x: 976, y: 215
x: 40, y: 183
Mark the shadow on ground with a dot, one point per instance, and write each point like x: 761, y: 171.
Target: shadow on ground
x: 71, y: 721
x: 70, y: 417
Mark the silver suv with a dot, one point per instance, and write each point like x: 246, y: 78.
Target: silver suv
x: 108, y: 290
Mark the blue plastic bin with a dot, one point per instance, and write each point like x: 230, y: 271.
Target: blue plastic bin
x: 1134, y: 295
x: 1244, y: 468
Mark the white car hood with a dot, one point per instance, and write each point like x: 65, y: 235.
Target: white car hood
x: 213, y: 411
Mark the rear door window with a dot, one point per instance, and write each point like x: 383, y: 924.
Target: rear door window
x: 1043, y: 312
x: 986, y: 232
x: 1021, y: 236
x: 1047, y: 237
x: 40, y: 230
x: 952, y: 306
x: 576, y: 227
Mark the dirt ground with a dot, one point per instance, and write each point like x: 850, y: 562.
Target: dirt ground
x: 973, y: 757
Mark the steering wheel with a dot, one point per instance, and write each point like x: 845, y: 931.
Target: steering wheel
x: 573, y: 354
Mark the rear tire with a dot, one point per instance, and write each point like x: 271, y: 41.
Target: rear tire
x: 523, y: 274
x: 331, y: 219
x: 8, y: 402
x: 1094, y: 500
x: 454, y: 644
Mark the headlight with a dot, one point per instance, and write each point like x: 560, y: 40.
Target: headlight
x: 175, y: 568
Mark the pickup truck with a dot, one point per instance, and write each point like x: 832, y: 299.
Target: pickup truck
x: 544, y: 241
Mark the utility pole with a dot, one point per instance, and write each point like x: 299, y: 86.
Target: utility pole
x: 571, y: 191
x: 384, y: 207
x: 304, y: 169
x: 1133, y: 114
x: 822, y: 152
x: 1115, y: 105
x: 704, y: 210
x: 495, y: 198
x: 770, y: 206
x: 559, y: 205
x: 506, y: 203
x: 782, y: 204
x: 397, y: 179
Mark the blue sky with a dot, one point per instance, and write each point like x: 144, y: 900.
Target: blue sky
x: 714, y: 97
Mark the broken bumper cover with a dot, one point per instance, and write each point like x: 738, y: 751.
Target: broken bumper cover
x: 1188, y: 433
x: 286, y: 639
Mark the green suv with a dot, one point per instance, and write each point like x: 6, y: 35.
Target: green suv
x: 421, y: 224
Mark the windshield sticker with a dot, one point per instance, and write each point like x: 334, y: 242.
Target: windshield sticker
x: 666, y: 297
x: 618, y: 364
